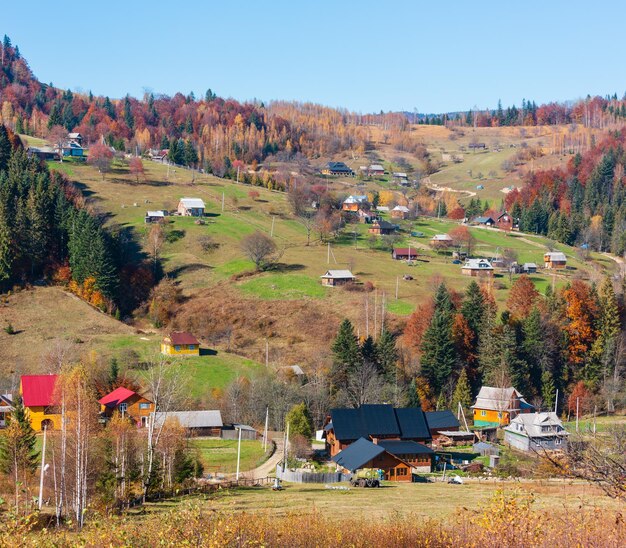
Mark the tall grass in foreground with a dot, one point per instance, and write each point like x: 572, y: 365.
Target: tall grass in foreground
x: 508, y: 520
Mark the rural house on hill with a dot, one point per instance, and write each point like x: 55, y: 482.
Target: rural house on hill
x: 38, y: 397
x: 354, y: 203
x: 128, y: 403
x: 197, y: 423
x: 337, y: 277
x: 498, y: 406
x: 477, y: 268
x: 373, y: 422
x: 382, y: 227
x: 555, y: 260
x: 191, y: 207
x: 337, y: 168
x: 6, y: 408
x: 536, y: 431
x: 180, y: 344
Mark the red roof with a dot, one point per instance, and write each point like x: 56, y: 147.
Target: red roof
x: 116, y: 397
x: 183, y: 338
x: 38, y: 390
x: 405, y: 251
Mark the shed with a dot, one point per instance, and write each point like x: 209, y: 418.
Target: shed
x: 554, y: 260
x: 200, y: 423
x: 231, y: 432
x: 154, y: 217
x: 529, y: 268
x: 404, y: 253
x: 483, y: 448
x: 334, y: 278
x: 191, y: 207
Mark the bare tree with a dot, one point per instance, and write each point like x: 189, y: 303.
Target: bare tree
x: 260, y: 249
x: 364, y: 385
x: 155, y: 239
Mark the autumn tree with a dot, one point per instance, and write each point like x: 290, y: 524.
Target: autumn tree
x: 136, y: 168
x: 57, y: 135
x: 260, y: 249
x: 522, y: 297
x: 462, y: 238
x: 101, y: 157
x: 154, y: 241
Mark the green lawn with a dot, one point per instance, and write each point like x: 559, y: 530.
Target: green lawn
x: 220, y: 456
x: 401, y: 308
x: 283, y: 287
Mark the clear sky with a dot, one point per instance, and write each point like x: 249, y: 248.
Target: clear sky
x: 366, y: 56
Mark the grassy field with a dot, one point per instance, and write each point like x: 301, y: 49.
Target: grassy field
x: 432, y: 500
x: 220, y: 456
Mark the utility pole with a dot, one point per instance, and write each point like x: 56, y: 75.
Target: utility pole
x: 43, y: 466
x: 577, y: 400
x: 272, y: 231
x: 397, y: 282
x: 238, y: 454
x: 556, y: 401
x: 328, y: 258
x: 223, y: 198
x: 267, y: 354
x: 267, y: 421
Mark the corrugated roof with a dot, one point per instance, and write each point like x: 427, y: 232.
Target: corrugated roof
x: 441, y: 419
x: 357, y: 454
x: 119, y: 395
x: 441, y: 238
x: 192, y: 419
x: 555, y: 256
x: 155, y: 214
x: 477, y: 264
x: 38, y: 390
x: 531, y: 424
x: 396, y: 447
x: 182, y: 337
x: 192, y: 202
x: 338, y: 274
x: 497, y: 399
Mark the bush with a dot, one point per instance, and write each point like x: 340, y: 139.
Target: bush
x: 9, y: 330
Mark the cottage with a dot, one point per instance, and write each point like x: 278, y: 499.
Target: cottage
x: 337, y: 168
x: 498, y: 406
x: 477, y: 267
x: 554, y: 259
x: 441, y: 241
x: 504, y: 221
x: 400, y: 176
x: 381, y: 227
x: 404, y: 253
x: 191, y: 207
x: 337, y: 277
x: 6, y: 408
x: 43, y: 153
x: 180, y: 344
x: 38, y: 396
x: 128, y: 403
x: 439, y: 421
x: 375, y: 170
x: 529, y: 268
x: 197, y: 423
x: 154, y: 217
x: 354, y: 203
x: 536, y: 432
x: 374, y: 422
x: 76, y: 138
x: 72, y: 148
x: 484, y: 221
x: 399, y: 212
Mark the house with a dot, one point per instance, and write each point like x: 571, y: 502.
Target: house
x: 337, y: 168
x: 554, y: 259
x: 180, y: 344
x: 404, y: 253
x: 292, y: 372
x: 504, y: 221
x: 197, y: 423
x: 477, y: 146
x: 439, y: 421
x: 231, y: 432
x: 381, y: 227
x: 38, y: 396
x: 354, y: 203
x: 72, y: 148
x: 400, y: 176
x: 498, y: 406
x: 485, y: 221
x: 374, y: 422
x: 76, y: 138
x: 128, y: 403
x: 154, y: 217
x: 6, y: 408
x: 191, y: 207
x: 536, y: 432
x: 399, y: 212
x: 375, y: 170
x: 337, y: 277
x: 43, y: 153
x: 529, y: 268
x: 477, y: 267
x: 389, y: 458
x: 367, y: 217
x: 441, y: 241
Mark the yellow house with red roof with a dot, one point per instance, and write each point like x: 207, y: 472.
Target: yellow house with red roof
x: 180, y: 344
x: 38, y: 396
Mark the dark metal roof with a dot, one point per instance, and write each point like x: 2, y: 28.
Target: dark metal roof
x: 379, y: 420
x: 412, y: 423
x: 441, y: 419
x: 338, y: 166
x: 357, y: 454
x: 404, y: 447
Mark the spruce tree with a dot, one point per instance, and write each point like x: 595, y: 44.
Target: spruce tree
x: 369, y: 352
x: 387, y: 354
x: 347, y: 354
x: 413, y: 395
x: 547, y: 390
x: 462, y: 393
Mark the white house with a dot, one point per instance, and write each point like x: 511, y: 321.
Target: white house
x: 337, y: 277
x: 477, y: 267
x: 536, y: 432
x: 192, y: 207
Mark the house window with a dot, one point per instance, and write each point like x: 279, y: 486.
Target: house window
x: 123, y: 407
x: 144, y: 406
x: 192, y: 347
x: 557, y: 441
x: 483, y: 413
x: 499, y: 415
x: 177, y: 348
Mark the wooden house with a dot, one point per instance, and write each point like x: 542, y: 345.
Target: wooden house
x: 529, y: 268
x: 536, y: 432
x: 375, y: 170
x: 374, y: 422
x: 381, y: 227
x: 76, y: 138
x: 477, y: 268
x: 400, y: 212
x: 337, y: 168
x: 337, y: 277
x: 43, y: 153
x: 128, y: 403
x: 72, y: 148
x: 504, y: 221
x: 354, y: 203
x: 197, y: 423
x: 180, y: 344
x: 191, y: 207
x: 154, y: 217
x: 498, y: 406
x: 6, y: 408
x: 554, y: 260
x: 404, y: 253
x: 441, y: 241
x: 38, y: 396
x: 484, y: 221
x: 400, y: 176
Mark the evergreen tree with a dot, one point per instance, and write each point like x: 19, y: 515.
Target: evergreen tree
x: 548, y: 391
x: 347, y: 354
x: 300, y: 423
x: 534, y: 347
x: 128, y: 113
x: 369, y: 352
x: 413, y: 395
x: 114, y: 372
x: 109, y: 108
x: 387, y: 354
x: 54, y: 118
x: 462, y: 393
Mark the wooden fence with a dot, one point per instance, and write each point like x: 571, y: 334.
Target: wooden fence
x: 302, y: 476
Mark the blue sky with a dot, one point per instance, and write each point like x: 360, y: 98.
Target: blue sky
x: 365, y: 56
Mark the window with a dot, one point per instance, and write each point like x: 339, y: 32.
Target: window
x: 123, y: 407
x: 557, y: 441
x: 192, y: 347
x: 144, y: 406
x: 177, y: 348
x: 483, y: 413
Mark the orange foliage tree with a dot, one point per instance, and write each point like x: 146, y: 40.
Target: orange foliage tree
x: 522, y: 297
x: 580, y: 314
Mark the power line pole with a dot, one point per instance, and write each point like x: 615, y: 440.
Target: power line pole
x: 43, y: 466
x: 223, y: 198
x: 272, y: 231
x: 267, y: 421
x: 238, y: 454
x: 397, y: 282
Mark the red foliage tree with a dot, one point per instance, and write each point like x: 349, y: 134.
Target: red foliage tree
x: 101, y: 157
x: 522, y: 298
x: 136, y: 168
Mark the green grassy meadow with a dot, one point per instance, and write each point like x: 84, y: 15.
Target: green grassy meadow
x: 220, y: 456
